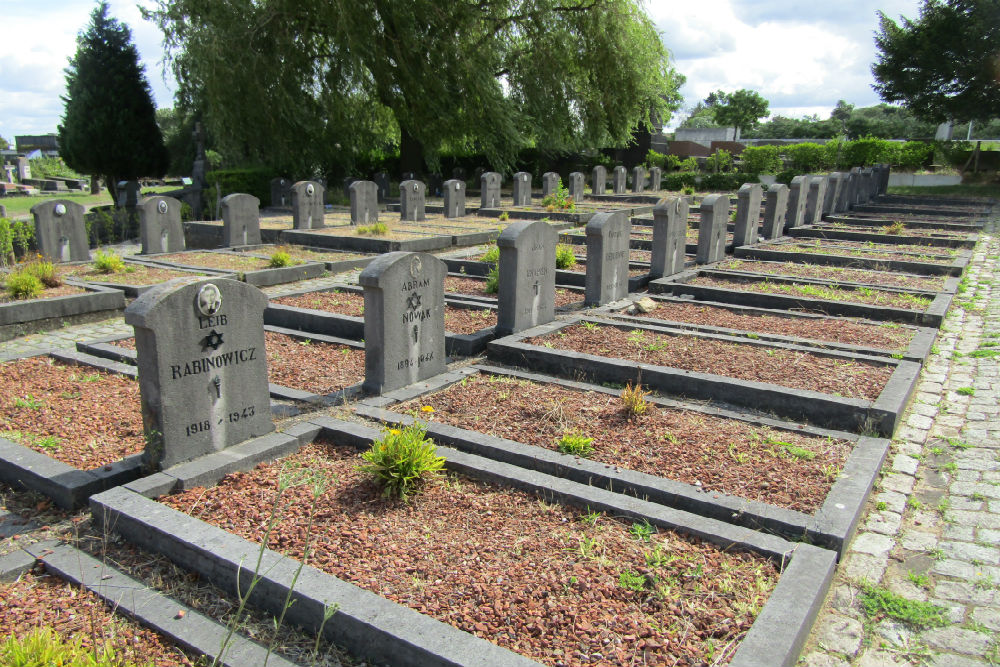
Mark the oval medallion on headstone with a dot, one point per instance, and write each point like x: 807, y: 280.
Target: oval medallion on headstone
x: 60, y: 209
x: 415, y: 266
x: 162, y: 207
x: 209, y: 300
x: 310, y: 189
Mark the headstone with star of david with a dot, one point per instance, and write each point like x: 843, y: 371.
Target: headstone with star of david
x: 526, y: 292
x: 202, y: 367
x: 404, y: 320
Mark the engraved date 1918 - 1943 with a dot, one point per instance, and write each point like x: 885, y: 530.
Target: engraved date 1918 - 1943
x: 232, y: 417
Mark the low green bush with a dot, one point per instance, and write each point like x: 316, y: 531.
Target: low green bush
x: 401, y: 460
x: 565, y: 257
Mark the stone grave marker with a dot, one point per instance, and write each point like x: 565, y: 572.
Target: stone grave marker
x: 364, y: 202
x: 854, y: 188
x: 775, y: 210
x: 844, y: 200
x: 832, y: 192
x: 638, y: 179
x: 202, y: 366
x: 575, y: 186
x: 60, y: 233
x: 712, y: 229
x: 522, y: 189
x: 618, y: 178
x: 3, y: 211
x: 489, y: 190
x: 23, y: 168
x: 527, y: 287
x: 883, y: 179
x: 412, y: 201
x: 160, y: 228
x: 381, y: 181
x: 404, y: 319
x: 670, y: 217
x: 607, y: 257
x: 655, y: 178
x: 815, y: 199
x: 797, y: 192
x: 748, y: 200
x: 454, y: 198
x: 281, y: 192
x: 240, y: 220
x: 599, y: 180
x: 128, y: 193
x: 307, y: 205
x: 550, y: 183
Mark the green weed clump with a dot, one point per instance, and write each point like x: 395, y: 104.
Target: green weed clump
x: 108, y: 262
x: 280, y: 260
x: 576, y: 444
x: 559, y: 200
x: 879, y: 603
x: 402, y: 460
x: 42, y: 646
x: 374, y: 229
x: 492, y: 281
x: 44, y: 270
x: 634, y: 400
x: 491, y: 255
x: 564, y: 256
x: 22, y: 285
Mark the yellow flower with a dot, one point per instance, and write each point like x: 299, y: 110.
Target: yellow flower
x: 394, y: 431
x: 427, y: 408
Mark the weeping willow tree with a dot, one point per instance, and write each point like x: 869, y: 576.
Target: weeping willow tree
x: 305, y: 84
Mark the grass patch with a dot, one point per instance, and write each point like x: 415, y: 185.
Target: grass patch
x: 879, y: 603
x: 374, y: 229
x: 965, y: 391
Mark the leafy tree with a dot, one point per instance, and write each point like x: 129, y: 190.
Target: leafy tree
x: 942, y: 65
x: 4, y: 144
x: 333, y: 81
x: 741, y: 109
x: 700, y: 116
x: 841, y: 114
x: 108, y: 126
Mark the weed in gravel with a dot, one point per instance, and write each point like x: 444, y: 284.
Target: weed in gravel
x: 565, y: 258
x: 43, y: 646
x: 642, y: 531
x: 950, y: 466
x: 634, y: 400
x: 879, y: 603
x: 108, y: 262
x: 491, y: 255
x: 589, y: 326
x: 492, y: 285
x: 943, y: 505
x: 591, y: 518
x: 401, y: 460
x: 830, y: 471
x: 280, y: 260
x: 914, y: 503
x: 374, y: 229
x: 575, y: 444
x: 28, y: 401
x: 632, y: 581
x: 937, y: 451
x: 978, y: 496
x: 966, y: 391
x: 958, y: 444
x: 504, y: 216
x: 22, y: 285
x: 881, y: 506
x: 919, y: 579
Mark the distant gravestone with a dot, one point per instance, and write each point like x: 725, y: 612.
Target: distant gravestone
x: 712, y: 229
x: 404, y: 319
x: 832, y: 192
x: 60, y: 233
x: 576, y: 185
x: 307, y: 205
x: 607, y: 258
x: 844, y: 200
x: 618, y: 178
x: 775, y: 211
x: 854, y: 191
x: 670, y: 218
x: 797, y: 192
x: 883, y: 180
x: 527, y: 286
x: 412, y: 201
x: 870, y: 185
x: 550, y: 183
x: 655, y: 178
x: 240, y: 220
x: 815, y: 199
x: 23, y: 168
x: 638, y: 179
x: 748, y: 200
x: 522, y: 189
x: 454, y: 198
x: 599, y: 180
x: 202, y: 366
x: 381, y: 181
x: 364, y: 203
x: 128, y: 194
x: 489, y: 190
x: 160, y: 228
x: 281, y: 192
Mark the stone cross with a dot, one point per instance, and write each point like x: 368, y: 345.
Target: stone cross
x: 412, y: 201
x: 307, y: 205
x: 454, y: 198
x: 618, y: 178
x: 638, y: 179
x: 240, y: 220
x: 550, y: 183
x: 748, y: 199
x: 815, y: 199
x: 489, y: 189
x: 575, y: 187
x: 670, y: 217
x: 832, y: 192
x: 797, y: 193
x: 381, y: 180
x: 522, y: 189
x: 599, y: 180
x: 202, y: 366
x: 364, y: 202
x: 281, y: 192
x: 404, y: 319
x: 775, y: 211
x: 60, y: 233
x: 712, y: 229
x: 527, y: 287
x: 608, y: 236
x: 160, y: 228
x: 655, y: 177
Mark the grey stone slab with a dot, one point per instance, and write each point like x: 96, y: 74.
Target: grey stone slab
x: 618, y: 180
x: 60, y: 233
x: 527, y: 276
x: 281, y: 192
x: 638, y: 179
x: 775, y: 211
x: 364, y: 202
x: 655, y: 178
x: 796, y: 211
x: 160, y: 228
x: 748, y: 201
x: 669, y: 237
x: 712, y: 229
x: 608, y: 235
x: 522, y: 189
x: 412, y: 201
x: 599, y: 180
x: 550, y: 183
x: 815, y: 199
x: 489, y: 189
x: 832, y: 192
x: 575, y: 186
x: 453, y: 192
x: 240, y: 220
x: 841, y: 634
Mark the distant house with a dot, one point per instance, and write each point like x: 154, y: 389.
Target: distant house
x: 48, y: 144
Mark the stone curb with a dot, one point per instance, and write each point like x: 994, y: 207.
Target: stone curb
x: 771, y: 254
x: 134, y: 291
x: 23, y: 317
x: 915, y: 224
x: 364, y: 243
x: 834, y: 234
x: 332, y: 266
x: 257, y: 277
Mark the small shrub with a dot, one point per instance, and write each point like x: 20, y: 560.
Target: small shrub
x: 761, y: 159
x: 504, y: 216
x: 280, y: 259
x: 576, y: 444
x: 23, y: 285
x: 45, y: 271
x: 689, y: 164
x: 43, y: 646
x: 402, y: 460
x: 108, y: 262
x: 492, y: 281
x: 634, y: 400
x: 688, y: 190
x: 374, y: 229
x: 491, y: 255
x: 564, y: 256
x: 559, y: 200
x: 895, y: 228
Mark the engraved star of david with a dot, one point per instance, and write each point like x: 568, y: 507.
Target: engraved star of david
x: 413, y: 301
x: 213, y: 340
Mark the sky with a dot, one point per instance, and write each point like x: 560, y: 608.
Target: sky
x: 801, y: 56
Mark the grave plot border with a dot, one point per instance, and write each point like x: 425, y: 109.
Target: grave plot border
x: 471, y: 204
x: 677, y: 285
x: 910, y: 210
x: 208, y: 235
x: 377, y: 629
x: 642, y: 244
x: 628, y: 198
x: 915, y: 224
x: 133, y: 291
x: 918, y: 350
x: 332, y: 266
x: 833, y: 234
x: 880, y: 416
x: 19, y: 318
x: 257, y: 277
x: 950, y: 286
x: 476, y: 299
x: 769, y: 251
x: 984, y: 202
x: 831, y: 526
x: 460, y: 238
x: 370, y: 244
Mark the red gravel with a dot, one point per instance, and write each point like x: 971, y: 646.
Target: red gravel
x: 836, y: 273
x: 868, y: 296
x: 46, y: 293
x: 474, y: 286
x: 134, y: 274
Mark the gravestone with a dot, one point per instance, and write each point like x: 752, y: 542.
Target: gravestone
x: 599, y: 180
x: 23, y: 168
x: 883, y: 180
x: 527, y: 287
x: 364, y: 202
x: 670, y: 217
x: 60, y: 233
x: 748, y: 199
x: 240, y: 220
x: 815, y: 199
x: 869, y: 184
x: 854, y: 189
x: 522, y: 189
x: 550, y: 183
x: 404, y: 319
x: 281, y: 192
x: 454, y: 198
x: 128, y: 194
x: 160, y: 228
x: 832, y: 192
x: 412, y: 201
x: 655, y: 178
x: 775, y: 210
x: 638, y: 179
x: 202, y: 366
x: 844, y: 199
x: 607, y: 258
x: 381, y: 181
x: 618, y: 178
x: 489, y: 190
x: 797, y: 193
x: 712, y: 229
x: 307, y: 205
x: 576, y: 185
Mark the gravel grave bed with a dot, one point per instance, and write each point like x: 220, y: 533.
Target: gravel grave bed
x: 889, y: 230
x: 547, y: 581
x: 133, y: 274
x: 781, y: 468
x: 865, y: 295
x: 787, y: 368
x: 41, y: 600
x: 914, y: 217
x: 229, y: 261
x: 837, y: 273
x: 308, y: 254
x: 861, y: 249
x: 456, y: 320
x: 455, y: 285
x: 634, y: 255
x: 46, y: 293
x: 885, y: 336
x: 83, y: 417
